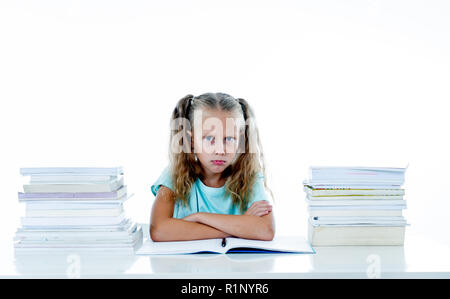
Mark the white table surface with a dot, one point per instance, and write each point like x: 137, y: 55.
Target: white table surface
x: 420, y: 257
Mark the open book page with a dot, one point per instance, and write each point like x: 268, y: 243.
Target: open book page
x: 297, y: 244
x: 288, y: 244
x: 282, y: 244
x: 181, y: 247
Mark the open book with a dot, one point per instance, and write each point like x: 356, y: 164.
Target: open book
x: 281, y: 244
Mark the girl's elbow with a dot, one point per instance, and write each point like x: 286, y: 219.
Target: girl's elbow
x: 267, y: 234
x: 155, y: 233
x: 162, y: 232
x: 270, y: 234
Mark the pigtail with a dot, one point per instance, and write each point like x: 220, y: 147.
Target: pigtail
x: 249, y: 142
x: 182, y: 108
x: 180, y: 123
x: 245, y: 107
x: 251, y: 159
x: 181, y: 156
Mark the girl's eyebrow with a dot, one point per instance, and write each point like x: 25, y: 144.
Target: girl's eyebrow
x: 206, y: 132
x: 231, y: 134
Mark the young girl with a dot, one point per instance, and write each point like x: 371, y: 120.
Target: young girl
x: 214, y: 186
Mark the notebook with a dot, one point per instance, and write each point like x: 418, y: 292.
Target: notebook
x: 281, y: 244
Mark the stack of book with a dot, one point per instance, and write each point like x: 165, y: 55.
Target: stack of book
x: 77, y: 209
x: 355, y: 206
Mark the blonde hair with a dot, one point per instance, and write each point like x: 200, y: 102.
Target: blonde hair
x: 241, y: 174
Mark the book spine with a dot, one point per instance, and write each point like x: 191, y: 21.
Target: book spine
x: 110, y: 194
x: 114, y: 171
x: 354, y: 197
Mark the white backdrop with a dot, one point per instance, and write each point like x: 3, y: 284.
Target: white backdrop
x: 93, y: 83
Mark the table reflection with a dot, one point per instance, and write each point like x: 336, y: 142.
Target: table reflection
x: 72, y: 264
x: 212, y: 263
x: 371, y: 260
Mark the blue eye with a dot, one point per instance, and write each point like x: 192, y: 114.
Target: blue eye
x: 209, y: 138
x: 230, y: 139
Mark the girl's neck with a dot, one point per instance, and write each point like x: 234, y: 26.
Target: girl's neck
x: 214, y: 180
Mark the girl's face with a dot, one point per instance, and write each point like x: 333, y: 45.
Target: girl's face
x: 216, y: 138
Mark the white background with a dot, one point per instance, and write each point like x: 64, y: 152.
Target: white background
x: 93, y: 83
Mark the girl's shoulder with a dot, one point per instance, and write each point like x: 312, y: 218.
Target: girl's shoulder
x: 259, y: 189
x: 165, y: 178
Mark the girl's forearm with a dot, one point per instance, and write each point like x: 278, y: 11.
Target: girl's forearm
x: 174, y: 229
x: 242, y: 226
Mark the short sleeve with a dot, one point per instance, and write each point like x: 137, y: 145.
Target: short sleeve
x: 164, y: 179
x: 259, y: 191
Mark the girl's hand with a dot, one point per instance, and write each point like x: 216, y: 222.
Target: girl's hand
x: 259, y: 208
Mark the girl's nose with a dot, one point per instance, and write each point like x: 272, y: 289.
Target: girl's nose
x: 220, y: 147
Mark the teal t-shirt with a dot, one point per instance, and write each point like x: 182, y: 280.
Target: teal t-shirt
x: 209, y: 199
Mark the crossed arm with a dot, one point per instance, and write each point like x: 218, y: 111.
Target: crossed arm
x: 256, y: 223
